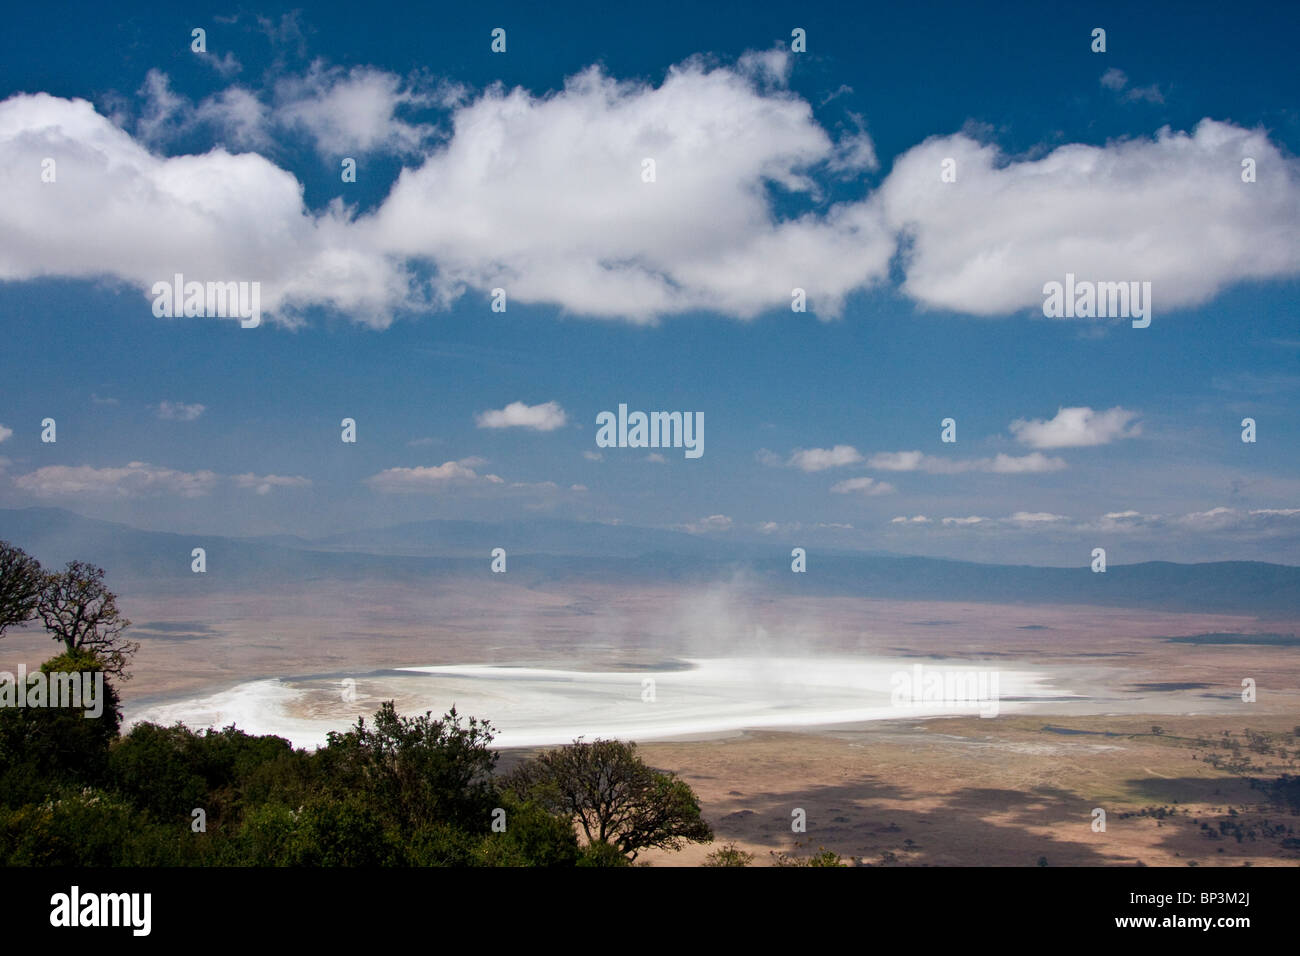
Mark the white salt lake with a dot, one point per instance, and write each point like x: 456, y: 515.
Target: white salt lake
x: 532, y: 706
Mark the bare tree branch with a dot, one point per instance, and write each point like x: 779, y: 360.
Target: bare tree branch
x: 81, y: 612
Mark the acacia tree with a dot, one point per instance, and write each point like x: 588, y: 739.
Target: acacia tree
x: 418, y: 769
x: 20, y: 586
x: 614, y: 796
x: 81, y: 612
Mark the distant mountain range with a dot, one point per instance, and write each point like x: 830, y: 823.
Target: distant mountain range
x: 533, y: 536
x: 550, y: 550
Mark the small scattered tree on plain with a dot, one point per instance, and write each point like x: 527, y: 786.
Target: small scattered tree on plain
x: 614, y: 797
x: 728, y: 855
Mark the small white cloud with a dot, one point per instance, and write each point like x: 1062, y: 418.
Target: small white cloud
x: 657, y: 458
x: 915, y: 519
x: 896, y: 460
x: 238, y: 114
x: 354, y: 111
x: 1114, y: 79
x: 1220, y: 520
x: 1036, y: 517
x: 1147, y: 94
x: 819, y: 459
x: 1252, y: 383
x: 774, y: 527
x: 263, y: 484
x: 769, y: 66
x: 179, y: 411
x: 543, y: 418
x: 538, y: 486
x: 164, y: 111
x: 1077, y: 428
x: 593, y: 455
x: 136, y: 479
x: 1032, y: 463
x: 855, y: 152
x: 5, y: 433
x: 931, y: 464
x: 865, y: 486
x: 713, y: 523
x: 226, y: 65
x: 428, y: 479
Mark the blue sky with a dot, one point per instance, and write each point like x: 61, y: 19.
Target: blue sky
x: 775, y: 169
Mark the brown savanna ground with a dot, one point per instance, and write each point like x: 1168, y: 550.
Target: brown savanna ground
x: 972, y: 792
x: 963, y: 791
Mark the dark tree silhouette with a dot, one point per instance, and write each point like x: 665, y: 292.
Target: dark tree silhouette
x: 614, y: 796
x: 20, y: 586
x: 82, y: 613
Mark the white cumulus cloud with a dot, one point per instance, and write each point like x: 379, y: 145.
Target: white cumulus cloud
x: 116, y: 209
x: 1171, y: 210
x: 545, y: 417
x: 432, y: 478
x: 544, y: 196
x: 1077, y: 427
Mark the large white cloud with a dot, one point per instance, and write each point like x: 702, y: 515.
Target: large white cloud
x: 1171, y: 210
x: 544, y: 196
x: 115, y: 209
